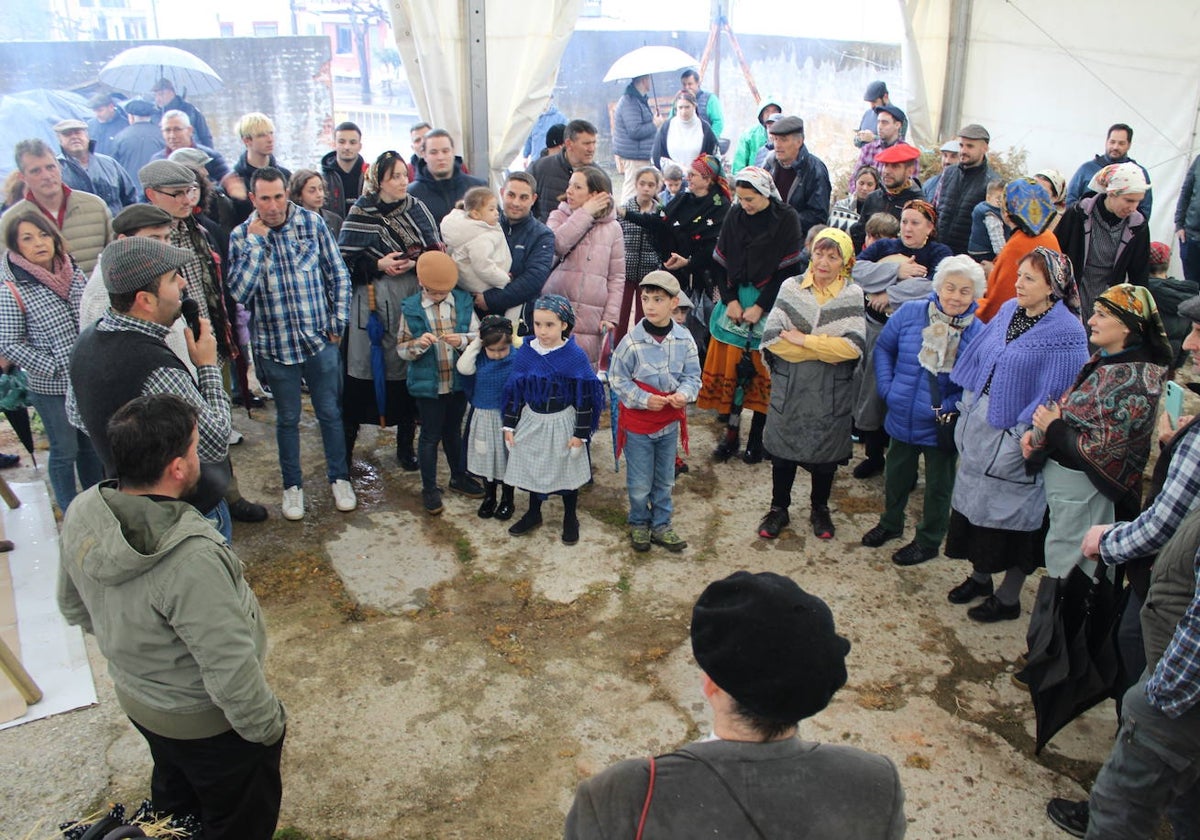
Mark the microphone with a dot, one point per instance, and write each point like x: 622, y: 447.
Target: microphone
x: 191, y: 316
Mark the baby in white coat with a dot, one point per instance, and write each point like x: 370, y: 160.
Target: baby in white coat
x: 474, y: 239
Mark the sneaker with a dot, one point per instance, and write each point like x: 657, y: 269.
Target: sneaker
x: 244, y: 510
x: 774, y: 522
x: 1070, y: 816
x: 913, y: 554
x: 432, y: 499
x: 235, y: 437
x: 343, y: 495
x: 639, y: 538
x: 467, y: 486
x: 822, y: 522
x: 668, y: 539
x: 878, y: 535
x: 293, y: 503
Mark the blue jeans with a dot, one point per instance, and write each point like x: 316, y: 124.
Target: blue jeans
x: 650, y: 474
x: 70, y: 449
x: 323, y: 373
x: 222, y: 520
x: 1154, y: 768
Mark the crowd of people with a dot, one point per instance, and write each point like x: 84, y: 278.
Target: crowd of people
x: 1014, y: 336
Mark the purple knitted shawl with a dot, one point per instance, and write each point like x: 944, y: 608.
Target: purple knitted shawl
x: 1040, y: 364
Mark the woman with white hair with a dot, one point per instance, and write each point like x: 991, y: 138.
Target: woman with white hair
x: 913, y: 358
x: 1105, y: 236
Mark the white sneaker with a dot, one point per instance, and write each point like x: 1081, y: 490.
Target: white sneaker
x: 235, y: 437
x: 293, y: 503
x: 343, y: 495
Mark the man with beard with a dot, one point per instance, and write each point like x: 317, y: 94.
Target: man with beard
x: 1116, y: 150
x: 963, y: 186
x: 182, y: 631
x: 896, y: 167
x: 553, y: 171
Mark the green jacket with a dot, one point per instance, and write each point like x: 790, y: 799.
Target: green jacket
x: 182, y: 631
x: 752, y: 139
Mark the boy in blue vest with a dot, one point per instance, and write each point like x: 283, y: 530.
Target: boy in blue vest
x: 435, y: 326
x: 655, y: 372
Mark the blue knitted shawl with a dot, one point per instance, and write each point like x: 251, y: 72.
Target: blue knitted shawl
x: 485, y: 388
x: 564, y: 376
x: 1040, y: 364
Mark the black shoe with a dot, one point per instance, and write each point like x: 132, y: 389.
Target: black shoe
x: 487, y: 509
x: 822, y: 522
x: 526, y: 523
x: 1070, y: 816
x: 467, y: 486
x: 570, y: 532
x: 969, y: 590
x: 504, y: 510
x: 247, y: 511
x: 868, y: 467
x: 992, y: 610
x: 753, y: 455
x: 913, y: 554
x: 432, y: 499
x: 407, y: 460
x: 774, y: 522
x: 680, y: 466
x: 878, y: 535
x: 7, y: 460
x: 722, y: 419
x: 725, y: 450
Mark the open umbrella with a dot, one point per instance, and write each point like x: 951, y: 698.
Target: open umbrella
x: 646, y: 60
x: 614, y: 407
x: 1072, y: 663
x: 138, y: 68
x: 33, y: 113
x: 375, y: 332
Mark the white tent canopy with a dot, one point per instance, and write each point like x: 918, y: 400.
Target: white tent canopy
x: 1046, y: 77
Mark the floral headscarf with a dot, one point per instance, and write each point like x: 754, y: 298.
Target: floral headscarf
x: 711, y: 167
x: 1057, y: 269
x: 1119, y: 179
x: 927, y: 210
x: 1030, y: 205
x: 1134, y: 306
x: 760, y: 181
x: 559, y: 305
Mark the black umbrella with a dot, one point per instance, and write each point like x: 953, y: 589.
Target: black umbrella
x: 1073, y: 662
x: 745, y: 372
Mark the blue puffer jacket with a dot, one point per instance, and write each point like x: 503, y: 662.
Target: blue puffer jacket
x: 901, y: 380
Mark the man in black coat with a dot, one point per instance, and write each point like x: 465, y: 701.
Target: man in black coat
x: 440, y: 178
x: 963, y: 185
x: 802, y: 178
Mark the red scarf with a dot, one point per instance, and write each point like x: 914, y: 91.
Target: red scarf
x: 58, y: 280
x: 643, y: 421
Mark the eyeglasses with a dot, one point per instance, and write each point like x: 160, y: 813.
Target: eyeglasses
x: 190, y: 192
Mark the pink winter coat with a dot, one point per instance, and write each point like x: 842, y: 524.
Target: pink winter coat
x: 592, y: 277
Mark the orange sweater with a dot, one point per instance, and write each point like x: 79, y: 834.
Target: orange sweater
x: 1002, y: 285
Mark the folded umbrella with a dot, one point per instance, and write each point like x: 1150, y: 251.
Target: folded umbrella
x: 375, y: 332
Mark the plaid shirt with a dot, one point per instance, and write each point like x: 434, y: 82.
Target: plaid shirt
x: 442, y: 319
x: 294, y: 281
x: 1174, y: 687
x: 1155, y: 525
x: 207, y: 395
x: 671, y: 365
x: 39, y: 331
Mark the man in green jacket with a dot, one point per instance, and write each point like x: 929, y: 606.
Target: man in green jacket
x: 182, y: 631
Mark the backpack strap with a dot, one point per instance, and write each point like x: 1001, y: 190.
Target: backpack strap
x: 646, y: 805
x: 12, y: 287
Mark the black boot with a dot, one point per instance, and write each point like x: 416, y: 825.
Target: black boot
x: 875, y: 443
x: 350, y: 433
x: 754, y: 444
x: 487, y: 508
x: 405, y: 455
x: 728, y: 447
x: 570, y: 531
x: 531, y: 520
x: 504, y: 510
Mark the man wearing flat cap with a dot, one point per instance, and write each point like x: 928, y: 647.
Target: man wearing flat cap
x: 963, y: 185
x: 770, y: 658
x: 801, y: 177
x: 889, y: 122
x: 110, y: 120
x: 85, y: 169
x: 137, y: 143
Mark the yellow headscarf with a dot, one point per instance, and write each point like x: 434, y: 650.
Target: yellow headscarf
x: 844, y: 245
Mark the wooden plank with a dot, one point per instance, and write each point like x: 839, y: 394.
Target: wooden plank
x: 12, y: 704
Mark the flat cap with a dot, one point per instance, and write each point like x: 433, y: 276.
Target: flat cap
x: 69, y: 125
x: 975, y: 131
x: 787, y: 125
x: 165, y: 173
x: 190, y: 156
x: 135, y: 262
x: 875, y: 90
x: 664, y: 280
x: 892, y: 111
x: 140, y: 108
x: 137, y: 216
x: 99, y: 100
x: 951, y: 146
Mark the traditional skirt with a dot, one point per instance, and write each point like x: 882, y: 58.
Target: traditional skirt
x: 487, y: 456
x: 541, y: 460
x: 719, y: 379
x: 1075, y: 506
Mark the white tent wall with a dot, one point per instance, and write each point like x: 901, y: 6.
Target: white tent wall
x: 524, y: 44
x: 1051, y: 77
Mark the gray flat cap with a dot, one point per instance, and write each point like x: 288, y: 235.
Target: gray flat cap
x: 138, y: 216
x: 135, y: 262
x: 165, y: 173
x: 787, y: 125
x: 191, y: 156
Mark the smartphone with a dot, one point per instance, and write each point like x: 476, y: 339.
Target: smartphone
x: 1174, y: 402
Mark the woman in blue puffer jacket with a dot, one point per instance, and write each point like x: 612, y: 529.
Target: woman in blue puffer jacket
x: 913, y: 358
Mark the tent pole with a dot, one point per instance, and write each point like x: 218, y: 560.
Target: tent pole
x: 956, y: 68
x: 476, y: 140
